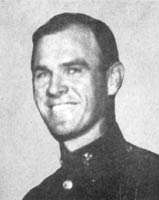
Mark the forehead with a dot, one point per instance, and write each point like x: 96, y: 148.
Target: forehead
x: 74, y: 42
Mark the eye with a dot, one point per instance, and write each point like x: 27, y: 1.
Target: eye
x: 40, y: 74
x: 73, y: 70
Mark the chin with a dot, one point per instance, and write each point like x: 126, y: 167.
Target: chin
x: 62, y: 133
x: 63, y: 129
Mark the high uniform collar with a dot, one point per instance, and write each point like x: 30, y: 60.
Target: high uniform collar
x: 110, y: 145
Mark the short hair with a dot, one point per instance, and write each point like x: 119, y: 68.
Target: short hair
x: 101, y: 31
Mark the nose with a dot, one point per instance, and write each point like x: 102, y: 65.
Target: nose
x: 57, y: 87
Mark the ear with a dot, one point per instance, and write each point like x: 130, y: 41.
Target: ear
x: 115, y: 75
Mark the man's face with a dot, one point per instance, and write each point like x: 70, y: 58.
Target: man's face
x: 69, y: 89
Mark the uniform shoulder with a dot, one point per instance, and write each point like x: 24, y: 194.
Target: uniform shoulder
x: 142, y: 155
x: 141, y: 163
x: 141, y: 170
x: 46, y: 187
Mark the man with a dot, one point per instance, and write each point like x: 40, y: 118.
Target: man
x: 76, y: 75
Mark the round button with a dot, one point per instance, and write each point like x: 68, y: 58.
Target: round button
x: 67, y: 184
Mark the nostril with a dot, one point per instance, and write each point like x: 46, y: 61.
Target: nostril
x: 57, y: 86
x: 64, y: 89
x: 57, y: 91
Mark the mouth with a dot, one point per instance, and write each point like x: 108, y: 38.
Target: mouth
x: 51, y: 105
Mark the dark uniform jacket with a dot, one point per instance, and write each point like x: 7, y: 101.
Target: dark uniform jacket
x: 108, y: 169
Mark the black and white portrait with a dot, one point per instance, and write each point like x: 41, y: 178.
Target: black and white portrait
x: 79, y: 100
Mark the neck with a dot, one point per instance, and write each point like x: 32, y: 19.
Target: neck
x: 93, y: 134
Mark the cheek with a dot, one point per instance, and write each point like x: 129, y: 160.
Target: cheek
x: 39, y: 94
x: 83, y: 86
x: 40, y: 88
x: 96, y: 93
x: 86, y: 90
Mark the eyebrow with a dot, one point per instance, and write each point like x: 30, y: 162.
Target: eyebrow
x: 40, y: 67
x: 77, y: 61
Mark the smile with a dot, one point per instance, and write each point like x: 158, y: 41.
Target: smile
x: 67, y: 103
x: 61, y: 104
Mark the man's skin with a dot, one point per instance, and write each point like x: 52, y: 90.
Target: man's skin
x: 70, y: 90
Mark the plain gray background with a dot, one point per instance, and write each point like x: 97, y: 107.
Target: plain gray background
x: 28, y: 153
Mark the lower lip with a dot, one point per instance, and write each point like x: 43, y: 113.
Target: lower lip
x: 65, y: 104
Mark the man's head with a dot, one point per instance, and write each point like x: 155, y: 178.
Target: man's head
x: 75, y: 69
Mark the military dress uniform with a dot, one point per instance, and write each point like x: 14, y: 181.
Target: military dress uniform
x: 107, y: 169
